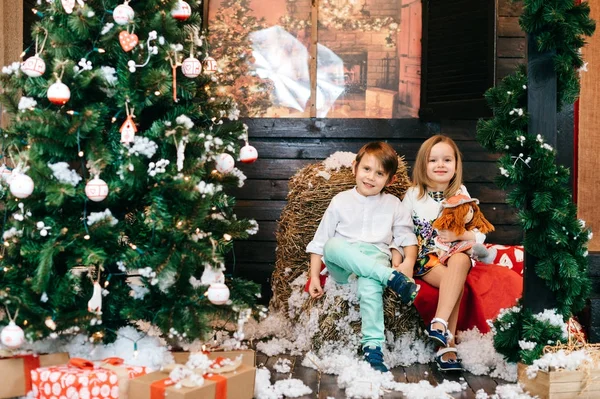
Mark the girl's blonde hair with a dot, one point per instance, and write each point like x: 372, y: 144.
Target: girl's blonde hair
x: 419, y: 174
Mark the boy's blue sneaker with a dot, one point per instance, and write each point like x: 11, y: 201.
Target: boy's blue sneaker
x: 374, y: 356
x: 404, y: 286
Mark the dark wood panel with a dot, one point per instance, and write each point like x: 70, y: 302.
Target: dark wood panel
x: 510, y: 8
x: 506, y: 66
x: 285, y: 168
x: 259, y: 210
x: 262, y: 189
x: 317, y: 149
x: 509, y: 27
x: 511, y: 47
x: 373, y: 129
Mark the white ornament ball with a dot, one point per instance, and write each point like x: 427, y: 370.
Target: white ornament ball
x: 59, y: 93
x: 33, y: 66
x: 218, y: 293
x: 224, y: 163
x: 96, y: 189
x: 123, y: 14
x: 191, y: 67
x: 210, y: 65
x: 12, y: 335
x: 21, y: 185
x: 182, y: 11
x: 248, y: 154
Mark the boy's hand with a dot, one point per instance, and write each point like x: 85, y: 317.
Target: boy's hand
x: 314, y: 289
x: 447, y: 236
x: 405, y: 268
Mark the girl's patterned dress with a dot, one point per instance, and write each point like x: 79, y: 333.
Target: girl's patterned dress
x: 424, y: 212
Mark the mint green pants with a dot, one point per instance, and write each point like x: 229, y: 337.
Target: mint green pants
x: 372, y: 267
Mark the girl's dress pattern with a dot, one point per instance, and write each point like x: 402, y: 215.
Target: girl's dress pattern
x: 424, y: 212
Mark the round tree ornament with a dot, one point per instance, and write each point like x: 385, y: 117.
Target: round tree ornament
x: 210, y: 65
x: 182, y: 11
x: 59, y: 93
x: 96, y: 189
x: 191, y: 67
x: 34, y: 66
x: 21, y: 185
x: 248, y: 154
x: 12, y: 335
x: 218, y: 293
x: 224, y: 163
x: 123, y: 14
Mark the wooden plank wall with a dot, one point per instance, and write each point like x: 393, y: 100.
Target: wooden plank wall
x: 511, y: 47
x: 286, y: 145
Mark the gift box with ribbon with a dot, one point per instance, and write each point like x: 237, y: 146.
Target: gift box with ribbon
x: 81, y: 378
x: 16, y: 371
x: 220, y: 377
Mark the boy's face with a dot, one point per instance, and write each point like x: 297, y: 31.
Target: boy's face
x: 370, y: 176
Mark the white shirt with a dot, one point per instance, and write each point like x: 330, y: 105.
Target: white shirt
x: 380, y: 220
x: 424, y: 212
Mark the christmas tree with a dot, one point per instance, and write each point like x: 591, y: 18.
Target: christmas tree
x: 119, y: 149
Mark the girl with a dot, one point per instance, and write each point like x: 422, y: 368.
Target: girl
x: 437, y: 175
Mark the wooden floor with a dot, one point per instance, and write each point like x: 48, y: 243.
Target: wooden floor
x: 325, y: 385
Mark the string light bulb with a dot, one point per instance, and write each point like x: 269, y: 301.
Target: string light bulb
x: 135, y: 350
x: 227, y: 237
x: 80, y: 153
x: 86, y: 237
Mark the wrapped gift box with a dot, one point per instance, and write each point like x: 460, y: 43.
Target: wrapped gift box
x: 248, y: 356
x: 82, y: 378
x: 16, y: 371
x: 237, y: 384
x: 561, y: 384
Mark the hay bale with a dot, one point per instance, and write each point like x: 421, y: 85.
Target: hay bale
x: 310, y: 191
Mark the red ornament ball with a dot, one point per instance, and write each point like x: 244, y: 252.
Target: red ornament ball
x: 248, y: 154
x: 182, y: 11
x: 59, y: 93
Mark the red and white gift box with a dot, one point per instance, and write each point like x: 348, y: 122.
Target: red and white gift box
x: 83, y: 379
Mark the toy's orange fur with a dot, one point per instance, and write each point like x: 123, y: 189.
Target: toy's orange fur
x: 453, y: 219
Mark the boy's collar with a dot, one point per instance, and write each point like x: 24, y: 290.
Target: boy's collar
x: 366, y: 198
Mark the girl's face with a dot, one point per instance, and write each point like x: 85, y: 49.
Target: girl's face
x: 441, y: 166
x: 370, y: 176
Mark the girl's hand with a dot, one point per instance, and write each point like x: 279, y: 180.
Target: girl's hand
x: 447, y: 236
x: 314, y: 289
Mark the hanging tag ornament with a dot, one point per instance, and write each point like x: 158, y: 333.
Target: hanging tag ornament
x: 182, y: 11
x: 191, y: 66
x: 96, y: 189
x: 123, y: 14
x: 95, y: 302
x: 128, y: 128
x: 128, y: 41
x: 35, y: 66
x: 175, y: 62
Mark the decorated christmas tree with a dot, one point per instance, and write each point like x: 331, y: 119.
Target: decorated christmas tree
x: 229, y: 35
x: 118, y: 151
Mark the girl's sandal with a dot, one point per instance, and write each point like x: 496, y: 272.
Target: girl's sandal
x: 440, y: 337
x: 450, y: 364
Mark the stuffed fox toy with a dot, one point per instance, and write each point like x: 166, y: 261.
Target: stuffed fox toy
x: 461, y: 213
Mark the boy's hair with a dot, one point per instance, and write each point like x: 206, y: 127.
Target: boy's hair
x: 420, y: 178
x: 384, y: 153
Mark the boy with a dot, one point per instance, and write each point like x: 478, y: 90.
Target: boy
x: 360, y: 232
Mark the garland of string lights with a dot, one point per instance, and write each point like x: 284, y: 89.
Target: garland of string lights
x: 553, y: 234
